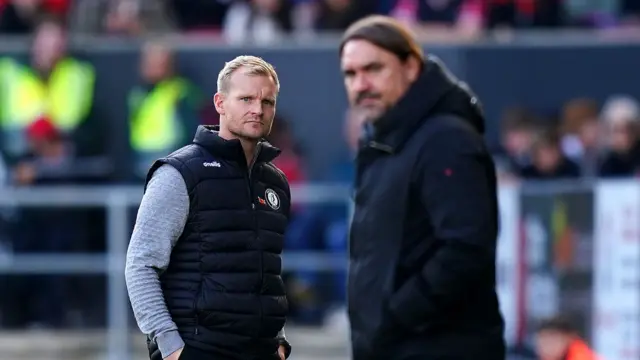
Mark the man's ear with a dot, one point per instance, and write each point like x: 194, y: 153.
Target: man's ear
x: 413, y: 67
x: 218, y: 102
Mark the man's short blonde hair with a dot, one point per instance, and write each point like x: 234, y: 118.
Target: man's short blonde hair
x: 253, y: 66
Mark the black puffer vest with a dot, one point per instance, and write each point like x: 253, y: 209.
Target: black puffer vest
x: 223, y: 286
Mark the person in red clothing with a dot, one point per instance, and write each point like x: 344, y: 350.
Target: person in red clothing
x: 500, y: 14
x: 290, y: 160
x: 557, y: 339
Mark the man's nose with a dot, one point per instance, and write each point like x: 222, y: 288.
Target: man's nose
x: 257, y: 107
x: 360, y: 84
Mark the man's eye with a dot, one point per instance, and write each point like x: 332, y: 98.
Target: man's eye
x: 245, y: 99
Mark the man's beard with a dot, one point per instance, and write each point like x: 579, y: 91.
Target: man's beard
x: 372, y: 115
x: 248, y: 137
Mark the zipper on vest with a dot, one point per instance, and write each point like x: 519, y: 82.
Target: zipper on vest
x: 195, y: 309
x: 256, y: 228
x: 250, y: 185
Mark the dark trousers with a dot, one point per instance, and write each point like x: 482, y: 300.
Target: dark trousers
x: 188, y: 353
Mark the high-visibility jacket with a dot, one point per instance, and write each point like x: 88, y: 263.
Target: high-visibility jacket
x: 579, y: 350
x: 65, y: 97
x: 154, y: 124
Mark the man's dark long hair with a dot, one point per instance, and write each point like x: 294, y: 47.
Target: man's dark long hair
x: 386, y: 33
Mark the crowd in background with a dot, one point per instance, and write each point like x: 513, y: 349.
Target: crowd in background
x: 584, y: 139
x: 267, y: 20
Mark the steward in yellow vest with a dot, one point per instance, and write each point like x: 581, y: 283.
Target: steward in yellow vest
x: 163, y: 112
x: 66, y: 96
x: 52, y: 84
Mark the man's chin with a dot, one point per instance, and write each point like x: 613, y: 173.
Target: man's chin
x: 372, y: 114
x: 252, y: 135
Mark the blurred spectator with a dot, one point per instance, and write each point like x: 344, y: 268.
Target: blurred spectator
x: 518, y: 127
x: 124, y: 17
x: 48, y: 153
x: 18, y: 16
x: 290, y: 158
x: 21, y: 16
x: 547, y: 160
x: 53, y: 84
x: 51, y: 158
x: 620, y: 109
x: 339, y: 14
x: 556, y: 339
x: 343, y: 170
x: 261, y: 21
x: 630, y: 12
x: 580, y: 140
x: 434, y: 19
x: 590, y: 139
x: 518, y: 14
x: 164, y: 109
x: 133, y: 17
x: 199, y: 15
x: 621, y: 116
x: 592, y: 13
x: 466, y: 19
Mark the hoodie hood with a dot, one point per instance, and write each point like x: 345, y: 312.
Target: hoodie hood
x: 436, y: 92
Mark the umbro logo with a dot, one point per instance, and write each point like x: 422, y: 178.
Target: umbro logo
x: 211, y: 164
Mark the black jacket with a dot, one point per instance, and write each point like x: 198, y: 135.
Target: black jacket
x: 223, y: 286
x: 423, y: 237
x: 617, y: 165
x: 566, y: 169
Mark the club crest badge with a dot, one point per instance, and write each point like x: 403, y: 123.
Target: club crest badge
x: 273, y: 200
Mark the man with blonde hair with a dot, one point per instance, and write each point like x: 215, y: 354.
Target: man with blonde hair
x: 203, y: 267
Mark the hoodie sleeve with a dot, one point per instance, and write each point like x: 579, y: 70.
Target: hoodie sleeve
x: 456, y: 184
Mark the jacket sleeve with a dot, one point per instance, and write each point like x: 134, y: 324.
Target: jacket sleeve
x: 457, y: 188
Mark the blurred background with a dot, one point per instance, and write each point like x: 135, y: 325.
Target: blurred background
x: 91, y: 91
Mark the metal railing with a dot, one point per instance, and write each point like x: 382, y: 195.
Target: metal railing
x: 117, y: 200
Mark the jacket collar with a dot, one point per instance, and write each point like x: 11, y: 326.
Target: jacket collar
x: 208, y: 137
x: 395, y: 127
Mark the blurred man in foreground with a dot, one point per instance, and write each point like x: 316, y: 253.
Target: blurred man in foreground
x: 203, y: 266
x: 423, y: 235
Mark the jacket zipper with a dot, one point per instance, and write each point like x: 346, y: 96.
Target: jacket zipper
x: 380, y: 146
x: 255, y: 222
x: 195, y: 308
x: 255, y: 225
